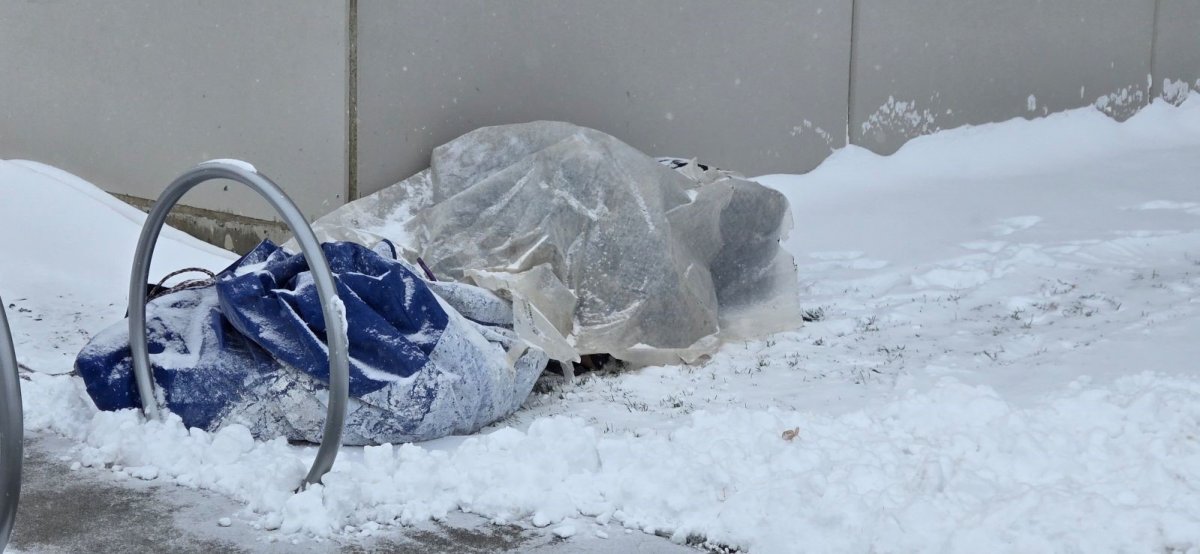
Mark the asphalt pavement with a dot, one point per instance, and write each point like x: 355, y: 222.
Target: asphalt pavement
x: 98, y: 511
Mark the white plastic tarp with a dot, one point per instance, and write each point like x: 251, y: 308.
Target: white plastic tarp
x: 601, y: 248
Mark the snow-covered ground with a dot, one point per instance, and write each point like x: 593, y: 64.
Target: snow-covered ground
x: 1005, y: 361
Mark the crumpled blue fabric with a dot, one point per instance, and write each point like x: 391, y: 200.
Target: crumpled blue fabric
x: 182, y: 328
x: 269, y: 294
x: 250, y: 349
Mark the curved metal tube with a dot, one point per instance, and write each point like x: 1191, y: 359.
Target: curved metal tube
x: 339, y: 372
x: 12, y: 432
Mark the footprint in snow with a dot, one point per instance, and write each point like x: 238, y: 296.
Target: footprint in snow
x: 991, y: 246
x: 851, y: 259
x: 1011, y: 225
x: 1192, y: 208
x: 953, y: 279
x: 1166, y: 205
x: 836, y: 255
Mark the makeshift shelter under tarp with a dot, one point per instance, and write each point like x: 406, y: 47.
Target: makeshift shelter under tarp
x: 601, y: 248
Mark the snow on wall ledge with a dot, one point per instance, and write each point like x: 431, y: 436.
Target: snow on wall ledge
x: 1004, y: 361
x: 896, y: 121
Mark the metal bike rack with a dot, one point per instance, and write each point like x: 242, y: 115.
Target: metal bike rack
x: 12, y: 432
x: 339, y: 372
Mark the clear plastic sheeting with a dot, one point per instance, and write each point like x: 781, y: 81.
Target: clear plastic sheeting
x: 601, y: 248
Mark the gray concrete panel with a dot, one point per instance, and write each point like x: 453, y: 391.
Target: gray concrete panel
x: 1177, y: 49
x: 758, y: 87
x: 924, y: 65
x: 130, y: 93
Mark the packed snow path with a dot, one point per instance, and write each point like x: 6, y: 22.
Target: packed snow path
x: 1004, y: 360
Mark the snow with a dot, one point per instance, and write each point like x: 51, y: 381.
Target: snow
x: 565, y: 531
x: 245, y: 166
x: 67, y: 252
x: 1003, y: 361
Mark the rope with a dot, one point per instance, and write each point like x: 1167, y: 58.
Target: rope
x: 425, y: 268
x: 160, y: 289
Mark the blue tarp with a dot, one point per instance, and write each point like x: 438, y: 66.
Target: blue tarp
x: 397, y: 321
x: 250, y: 349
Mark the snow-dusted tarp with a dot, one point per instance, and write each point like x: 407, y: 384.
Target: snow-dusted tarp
x: 250, y: 349
x: 601, y: 248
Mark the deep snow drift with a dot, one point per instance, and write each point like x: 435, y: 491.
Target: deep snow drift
x: 1004, y: 361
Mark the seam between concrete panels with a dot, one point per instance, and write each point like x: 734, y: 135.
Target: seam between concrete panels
x: 352, y: 101
x: 850, y: 65
x: 1155, y: 79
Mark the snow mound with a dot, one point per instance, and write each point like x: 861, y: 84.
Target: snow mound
x: 1117, y: 467
x: 67, y: 251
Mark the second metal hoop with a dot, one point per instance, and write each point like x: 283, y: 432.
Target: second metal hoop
x: 12, y: 432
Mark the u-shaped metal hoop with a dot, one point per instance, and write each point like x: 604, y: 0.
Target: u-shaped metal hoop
x: 339, y: 363
x: 12, y: 432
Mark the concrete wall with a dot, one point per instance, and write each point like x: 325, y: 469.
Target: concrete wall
x: 1177, y: 48
x: 339, y: 98
x: 129, y: 93
x: 757, y: 86
x: 924, y: 65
